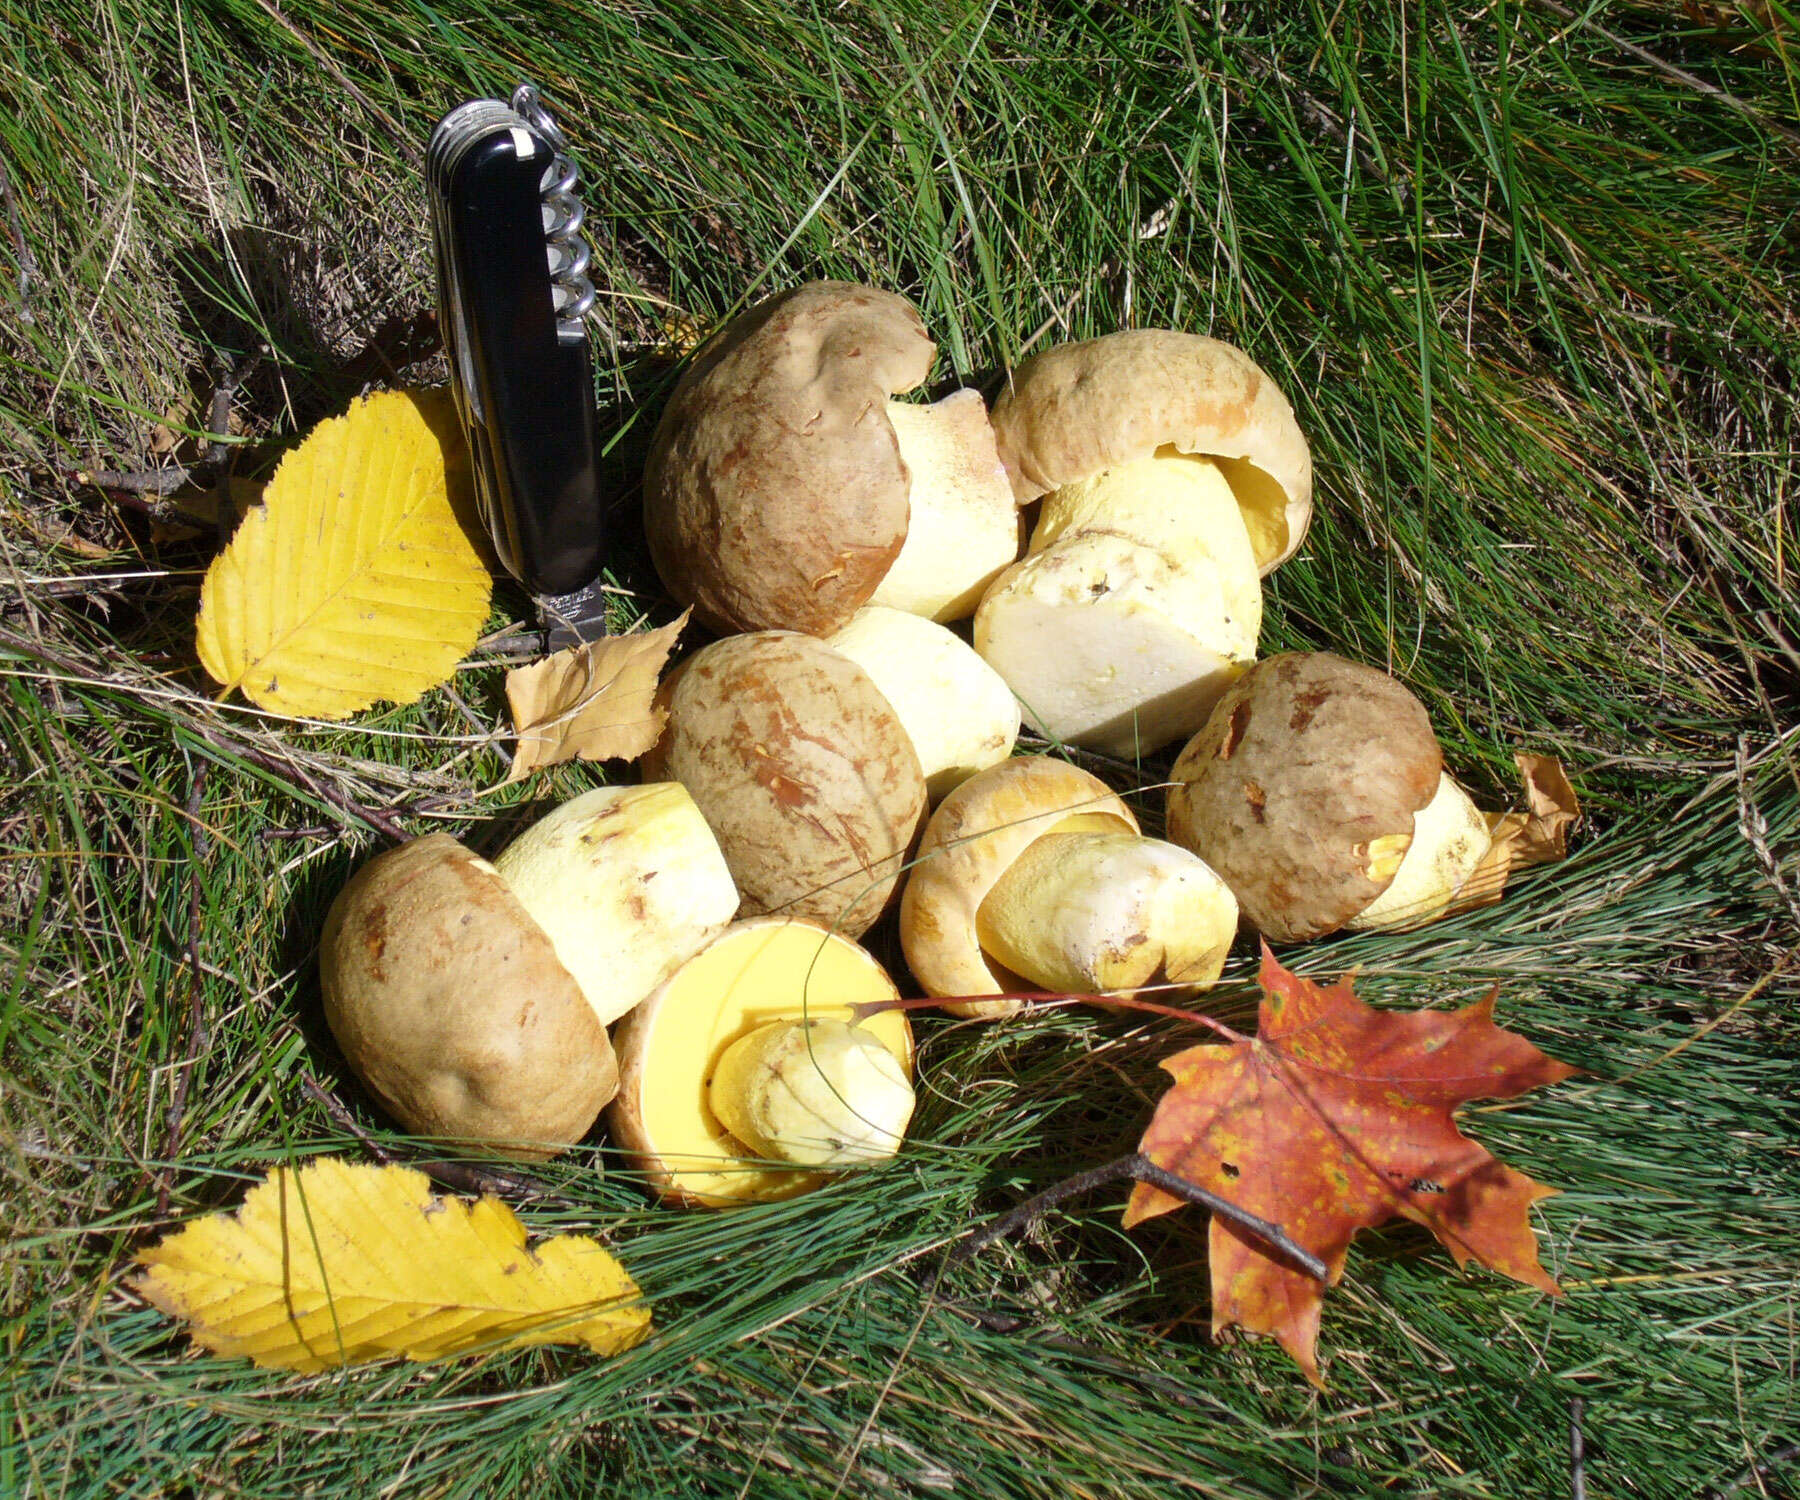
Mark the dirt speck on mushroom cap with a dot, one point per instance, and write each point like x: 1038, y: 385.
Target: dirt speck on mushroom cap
x: 1305, y: 762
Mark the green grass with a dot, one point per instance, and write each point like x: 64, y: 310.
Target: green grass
x: 1535, y: 304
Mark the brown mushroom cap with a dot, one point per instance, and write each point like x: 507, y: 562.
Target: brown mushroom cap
x: 1077, y: 409
x: 977, y: 831
x: 775, y: 496
x: 451, y: 1006
x: 801, y: 768
x: 1305, y: 762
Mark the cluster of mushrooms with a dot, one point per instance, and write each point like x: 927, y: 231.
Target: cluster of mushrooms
x: 829, y: 534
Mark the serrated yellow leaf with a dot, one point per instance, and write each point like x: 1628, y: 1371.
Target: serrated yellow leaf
x: 341, y: 1262
x: 353, y: 581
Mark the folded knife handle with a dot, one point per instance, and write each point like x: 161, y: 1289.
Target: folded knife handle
x: 512, y: 295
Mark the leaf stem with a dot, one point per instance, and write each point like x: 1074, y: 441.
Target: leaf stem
x: 1046, y: 998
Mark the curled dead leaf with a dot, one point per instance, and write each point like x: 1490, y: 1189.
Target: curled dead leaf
x: 592, y: 702
x: 1537, y: 836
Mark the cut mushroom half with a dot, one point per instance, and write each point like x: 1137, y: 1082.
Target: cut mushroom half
x: 745, y: 1078
x: 1173, y: 475
x: 471, y: 997
x: 1033, y: 875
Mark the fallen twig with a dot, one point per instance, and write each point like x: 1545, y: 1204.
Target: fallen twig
x: 1139, y: 1168
x: 457, y: 1176
x: 164, y: 481
x: 275, y: 766
x: 1577, y: 1452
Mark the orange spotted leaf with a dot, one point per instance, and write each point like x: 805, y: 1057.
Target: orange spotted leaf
x: 1336, y: 1117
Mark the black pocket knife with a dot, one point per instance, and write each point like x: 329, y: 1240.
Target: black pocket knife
x: 513, y: 295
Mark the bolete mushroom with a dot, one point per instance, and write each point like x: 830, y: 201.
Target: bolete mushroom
x: 1317, y: 790
x: 1173, y: 475
x: 803, y: 770
x: 785, y: 489
x: 1032, y: 875
x: 959, y: 714
x: 465, y: 994
x: 745, y: 1077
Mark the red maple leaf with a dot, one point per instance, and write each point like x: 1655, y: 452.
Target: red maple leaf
x: 1334, y: 1118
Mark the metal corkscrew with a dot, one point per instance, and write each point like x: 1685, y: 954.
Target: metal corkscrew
x: 513, y: 295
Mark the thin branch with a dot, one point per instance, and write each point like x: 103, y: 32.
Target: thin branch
x: 164, y: 481
x: 285, y: 772
x: 291, y: 774
x: 1577, y: 1452
x: 458, y: 1177
x: 1139, y: 1168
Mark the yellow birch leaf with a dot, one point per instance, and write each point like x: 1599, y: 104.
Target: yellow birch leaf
x: 596, y: 701
x: 353, y: 581
x: 340, y: 1263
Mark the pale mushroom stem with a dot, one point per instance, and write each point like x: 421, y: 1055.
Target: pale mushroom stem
x: 1428, y: 868
x: 814, y: 1093
x: 963, y: 526
x: 1084, y: 911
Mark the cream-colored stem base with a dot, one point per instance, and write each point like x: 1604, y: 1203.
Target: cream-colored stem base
x: 815, y: 1093
x: 1449, y: 837
x: 1084, y: 911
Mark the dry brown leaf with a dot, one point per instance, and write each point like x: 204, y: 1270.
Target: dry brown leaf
x: 1538, y: 836
x: 591, y: 702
